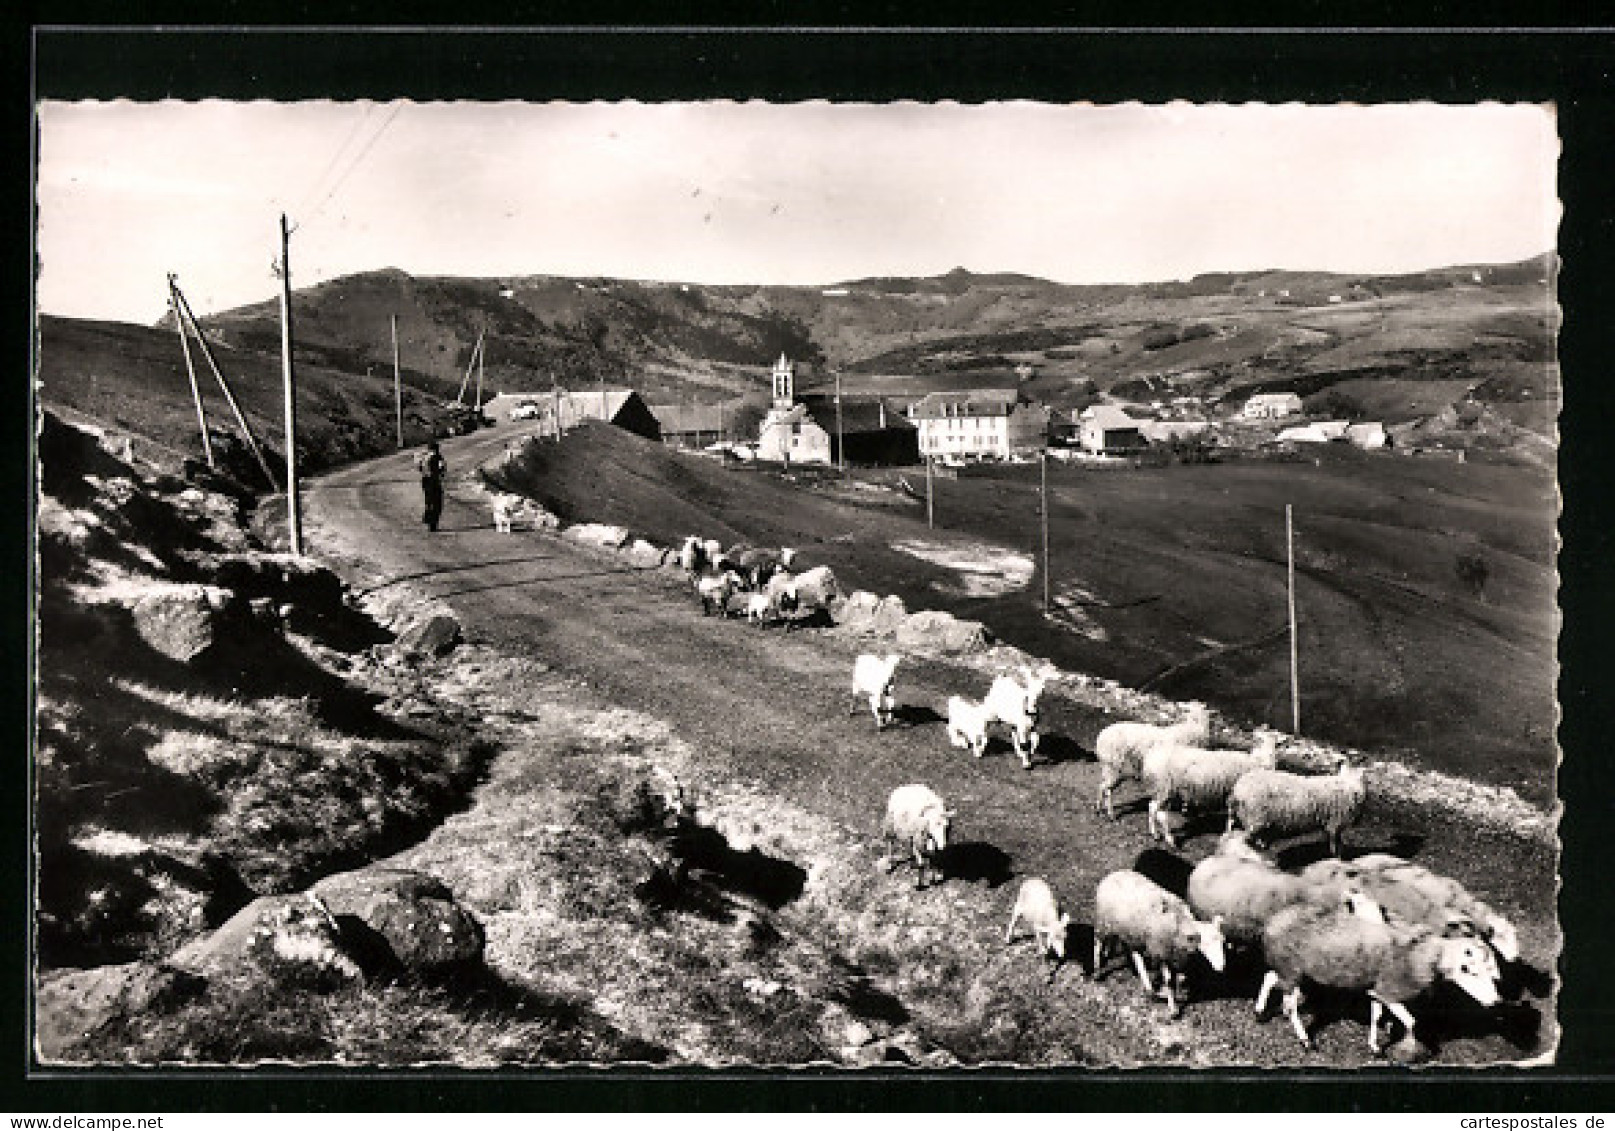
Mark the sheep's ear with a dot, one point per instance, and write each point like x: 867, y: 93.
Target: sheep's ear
x: 950, y: 813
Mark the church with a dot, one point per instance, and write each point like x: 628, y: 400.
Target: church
x: 789, y: 434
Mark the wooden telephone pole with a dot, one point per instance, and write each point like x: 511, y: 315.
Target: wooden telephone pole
x: 294, y: 511
x: 930, y: 511
x: 1295, y: 684
x: 841, y: 443
x: 190, y: 372
x: 224, y: 386
x: 1044, y: 462
x: 398, y: 388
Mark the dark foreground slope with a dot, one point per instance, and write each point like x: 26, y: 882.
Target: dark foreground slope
x: 1175, y: 578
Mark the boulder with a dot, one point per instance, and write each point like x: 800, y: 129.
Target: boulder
x: 942, y: 634
x: 282, y: 929
x: 877, y: 616
x: 73, y: 1005
x: 399, y: 917
x: 597, y: 534
x: 436, y: 636
x: 184, y: 621
x: 644, y: 554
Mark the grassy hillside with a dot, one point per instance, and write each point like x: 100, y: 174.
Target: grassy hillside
x: 1174, y: 578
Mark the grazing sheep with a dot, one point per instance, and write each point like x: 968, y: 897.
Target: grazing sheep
x: 1393, y: 962
x: 1120, y: 748
x: 1036, y: 905
x: 715, y: 589
x: 1278, y: 803
x: 1148, y: 920
x: 1193, y: 778
x: 692, y: 556
x: 1015, y: 705
x: 872, y: 678
x: 759, y: 607
x: 505, y: 507
x: 967, y: 724
x: 918, y: 823
x: 815, y: 588
x: 1245, y: 888
x: 1418, y: 895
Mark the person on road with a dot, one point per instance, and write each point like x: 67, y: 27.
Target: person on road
x: 432, y: 468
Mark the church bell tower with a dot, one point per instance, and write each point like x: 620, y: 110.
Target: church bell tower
x: 784, y: 383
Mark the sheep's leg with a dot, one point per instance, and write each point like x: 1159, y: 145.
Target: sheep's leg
x: 1168, y: 977
x: 1374, y: 1011
x: 1143, y: 973
x: 1269, y: 980
x: 1098, y: 954
x: 1150, y: 823
x: 1402, y: 1014
x: 1013, y: 915
x: 1292, y: 1006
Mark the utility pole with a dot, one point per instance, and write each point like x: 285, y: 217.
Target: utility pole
x: 481, y: 357
x: 190, y: 372
x: 294, y: 515
x: 930, y: 513
x: 1044, y: 462
x: 224, y: 387
x: 398, y: 388
x: 841, y: 443
x: 1295, y: 685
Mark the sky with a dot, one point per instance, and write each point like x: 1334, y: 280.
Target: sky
x: 806, y: 193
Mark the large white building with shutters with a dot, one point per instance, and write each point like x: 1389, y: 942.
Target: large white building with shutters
x: 979, y: 424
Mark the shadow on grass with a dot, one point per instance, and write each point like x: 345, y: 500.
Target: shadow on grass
x: 855, y: 990
x: 1522, y: 978
x: 913, y: 715
x: 1293, y: 857
x: 975, y: 862
x: 756, y: 875
x: 1057, y: 748
x: 1166, y: 868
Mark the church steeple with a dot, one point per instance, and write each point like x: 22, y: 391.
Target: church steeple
x: 784, y: 383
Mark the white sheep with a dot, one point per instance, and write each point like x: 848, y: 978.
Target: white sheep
x: 715, y: 589
x: 917, y: 823
x: 1120, y: 747
x: 1416, y: 894
x: 505, y: 507
x: 815, y: 588
x: 1278, y: 803
x: 1036, y: 906
x: 1014, y: 704
x: 872, y: 679
x: 967, y: 724
x: 1192, y: 778
x: 1392, y: 962
x: 1245, y: 888
x: 1135, y: 911
x: 759, y: 607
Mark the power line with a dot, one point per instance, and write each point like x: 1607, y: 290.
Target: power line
x: 341, y: 150
x: 357, y: 161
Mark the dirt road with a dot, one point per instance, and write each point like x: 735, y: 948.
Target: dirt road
x: 772, y: 709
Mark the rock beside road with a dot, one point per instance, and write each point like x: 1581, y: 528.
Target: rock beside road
x: 436, y: 636
x: 401, y: 917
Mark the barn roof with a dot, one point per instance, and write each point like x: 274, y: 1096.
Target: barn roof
x: 686, y: 418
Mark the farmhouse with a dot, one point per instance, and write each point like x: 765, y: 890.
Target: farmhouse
x: 1165, y: 431
x: 691, y: 425
x: 1369, y: 437
x: 1271, y: 406
x: 981, y: 423
x: 1107, y: 430
x: 873, y: 431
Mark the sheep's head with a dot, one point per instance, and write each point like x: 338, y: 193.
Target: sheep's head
x: 787, y: 557
x: 1062, y: 927
x: 1266, y: 750
x: 937, y: 827
x: 1504, y: 940
x: 1363, y: 907
x: 1470, y: 965
x: 1207, y: 938
x: 1237, y: 844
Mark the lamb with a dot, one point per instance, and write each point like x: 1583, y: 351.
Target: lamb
x: 872, y: 678
x: 917, y: 822
x: 505, y: 508
x: 1015, y: 705
x: 1276, y: 802
x: 1418, y: 895
x: 715, y: 589
x: 1393, y: 962
x: 1245, y: 888
x: 1198, y: 779
x: 1148, y: 920
x: 1035, y: 903
x: 1120, y: 748
x: 815, y: 588
x: 967, y: 724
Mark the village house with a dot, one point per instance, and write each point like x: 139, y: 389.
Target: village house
x: 692, y: 425
x: 1271, y: 406
x: 1107, y: 430
x: 979, y: 424
x: 873, y: 431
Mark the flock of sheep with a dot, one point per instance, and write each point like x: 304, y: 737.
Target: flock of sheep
x: 1376, y: 925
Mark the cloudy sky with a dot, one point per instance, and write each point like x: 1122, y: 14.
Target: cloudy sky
x: 757, y: 193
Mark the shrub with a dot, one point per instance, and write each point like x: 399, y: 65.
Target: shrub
x: 1473, y: 570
